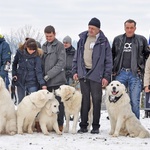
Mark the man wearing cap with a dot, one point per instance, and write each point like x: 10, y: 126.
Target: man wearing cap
x: 70, y: 51
x: 92, y: 66
x: 5, y: 59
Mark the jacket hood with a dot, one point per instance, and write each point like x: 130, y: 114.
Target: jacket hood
x: 2, y: 40
x: 39, y: 52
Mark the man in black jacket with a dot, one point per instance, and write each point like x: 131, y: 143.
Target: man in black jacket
x: 129, y: 54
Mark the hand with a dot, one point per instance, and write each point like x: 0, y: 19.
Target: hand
x: 14, y: 78
x: 44, y: 87
x: 46, y: 78
x: 75, y: 77
x: 104, y: 82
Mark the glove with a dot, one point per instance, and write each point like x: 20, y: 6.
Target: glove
x: 46, y: 78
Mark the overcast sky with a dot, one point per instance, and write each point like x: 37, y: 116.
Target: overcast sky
x: 70, y: 17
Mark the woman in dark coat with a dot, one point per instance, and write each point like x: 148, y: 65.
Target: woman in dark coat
x: 27, y: 69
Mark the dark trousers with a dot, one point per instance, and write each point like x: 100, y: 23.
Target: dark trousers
x: 61, y: 106
x: 94, y: 89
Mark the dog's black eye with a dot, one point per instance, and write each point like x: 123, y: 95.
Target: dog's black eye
x: 54, y: 105
x: 117, y: 84
x: 111, y: 84
x: 47, y: 92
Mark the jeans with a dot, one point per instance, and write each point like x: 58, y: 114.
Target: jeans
x: 61, y: 106
x: 134, y: 85
x: 89, y: 89
x: 22, y: 92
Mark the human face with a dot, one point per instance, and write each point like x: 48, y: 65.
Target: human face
x: 30, y: 51
x: 66, y: 45
x: 92, y: 30
x: 50, y: 36
x: 129, y: 29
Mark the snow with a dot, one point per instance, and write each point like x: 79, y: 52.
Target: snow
x: 68, y: 141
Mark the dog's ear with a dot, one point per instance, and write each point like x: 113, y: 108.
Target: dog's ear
x: 123, y: 87
x: 48, y: 105
x: 68, y: 91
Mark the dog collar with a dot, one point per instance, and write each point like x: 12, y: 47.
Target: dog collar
x: 114, y: 99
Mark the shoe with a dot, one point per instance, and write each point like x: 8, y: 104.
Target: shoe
x: 61, y: 128
x: 82, y: 130
x: 95, y: 131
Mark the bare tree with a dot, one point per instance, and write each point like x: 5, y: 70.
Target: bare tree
x: 17, y: 37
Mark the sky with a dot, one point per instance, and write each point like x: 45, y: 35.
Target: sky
x: 71, y: 17
x: 86, y: 141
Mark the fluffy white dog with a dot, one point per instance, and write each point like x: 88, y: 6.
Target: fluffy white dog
x: 7, y: 111
x: 72, y: 104
x: 48, y: 117
x: 28, y: 109
x: 123, y: 121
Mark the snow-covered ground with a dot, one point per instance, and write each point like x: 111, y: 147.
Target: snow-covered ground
x: 68, y: 141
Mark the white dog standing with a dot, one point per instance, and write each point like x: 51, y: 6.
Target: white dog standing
x: 28, y: 109
x: 48, y: 117
x: 72, y: 104
x: 8, y: 123
x: 123, y: 121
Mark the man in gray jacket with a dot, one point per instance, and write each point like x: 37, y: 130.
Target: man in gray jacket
x: 53, y: 60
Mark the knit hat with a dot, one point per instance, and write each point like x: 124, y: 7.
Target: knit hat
x: 67, y: 39
x: 1, y: 36
x: 95, y: 22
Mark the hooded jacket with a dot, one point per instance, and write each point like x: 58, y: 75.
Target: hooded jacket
x: 101, y: 59
x: 28, y: 68
x: 5, y: 56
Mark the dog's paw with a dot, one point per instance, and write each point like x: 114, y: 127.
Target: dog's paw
x: 66, y: 130
x: 111, y: 133
x: 30, y: 131
x: 20, y: 132
x: 73, y: 131
x: 59, y: 133
x: 131, y: 135
x: 115, y: 135
x: 12, y: 133
x: 46, y: 133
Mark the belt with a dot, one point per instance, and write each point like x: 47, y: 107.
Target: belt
x: 126, y: 69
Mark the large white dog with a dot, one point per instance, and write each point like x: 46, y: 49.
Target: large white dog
x: 28, y: 109
x: 8, y: 123
x: 72, y: 103
x: 48, y: 117
x: 123, y: 121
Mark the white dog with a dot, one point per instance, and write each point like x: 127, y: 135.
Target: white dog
x: 72, y: 104
x: 8, y: 121
x: 48, y: 117
x: 123, y: 121
x: 28, y: 109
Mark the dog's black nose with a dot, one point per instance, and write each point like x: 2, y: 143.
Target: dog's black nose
x: 114, y: 88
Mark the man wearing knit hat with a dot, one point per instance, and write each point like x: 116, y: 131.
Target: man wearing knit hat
x: 92, y: 66
x: 70, y: 51
x: 5, y: 59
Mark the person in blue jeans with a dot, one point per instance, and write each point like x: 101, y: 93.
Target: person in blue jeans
x: 27, y: 69
x: 130, y: 52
